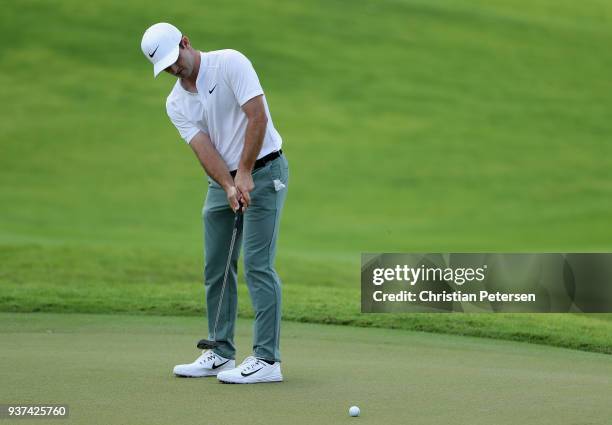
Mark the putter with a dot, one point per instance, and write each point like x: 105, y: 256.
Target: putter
x: 205, y: 343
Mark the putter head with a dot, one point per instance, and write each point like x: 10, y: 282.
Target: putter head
x: 205, y: 344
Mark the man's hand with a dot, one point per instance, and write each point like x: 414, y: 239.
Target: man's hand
x: 244, y: 185
x: 232, y: 197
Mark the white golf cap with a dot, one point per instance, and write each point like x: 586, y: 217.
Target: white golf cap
x: 160, y: 44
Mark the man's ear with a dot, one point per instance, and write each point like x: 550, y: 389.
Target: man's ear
x: 184, y: 42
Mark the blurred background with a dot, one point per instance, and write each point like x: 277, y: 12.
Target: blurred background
x: 410, y: 126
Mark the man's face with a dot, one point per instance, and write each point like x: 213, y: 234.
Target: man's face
x: 183, y: 67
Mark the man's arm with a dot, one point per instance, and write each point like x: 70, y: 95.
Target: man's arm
x: 214, y: 166
x: 255, y: 111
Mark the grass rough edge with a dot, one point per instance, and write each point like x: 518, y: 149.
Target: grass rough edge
x: 466, y: 328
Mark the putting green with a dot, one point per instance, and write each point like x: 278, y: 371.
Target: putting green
x: 113, y: 369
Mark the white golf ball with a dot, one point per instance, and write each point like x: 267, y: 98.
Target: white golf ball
x: 354, y: 411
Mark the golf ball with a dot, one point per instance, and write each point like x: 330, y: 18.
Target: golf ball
x: 354, y: 411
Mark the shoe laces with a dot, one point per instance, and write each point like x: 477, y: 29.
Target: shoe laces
x: 250, y: 363
x: 207, y: 356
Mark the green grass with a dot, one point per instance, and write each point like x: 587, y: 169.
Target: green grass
x: 117, y: 369
x: 409, y: 126
x: 73, y: 280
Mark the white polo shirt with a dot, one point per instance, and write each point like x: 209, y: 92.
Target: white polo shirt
x: 226, y: 81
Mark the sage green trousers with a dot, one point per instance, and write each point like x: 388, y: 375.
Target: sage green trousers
x: 258, y: 242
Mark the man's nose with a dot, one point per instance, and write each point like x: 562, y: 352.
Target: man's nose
x: 173, y: 68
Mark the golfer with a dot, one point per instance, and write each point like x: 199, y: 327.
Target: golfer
x: 219, y: 108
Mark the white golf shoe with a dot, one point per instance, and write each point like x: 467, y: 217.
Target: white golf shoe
x: 208, y: 364
x: 251, y: 371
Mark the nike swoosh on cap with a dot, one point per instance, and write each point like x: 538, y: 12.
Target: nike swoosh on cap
x: 153, y: 54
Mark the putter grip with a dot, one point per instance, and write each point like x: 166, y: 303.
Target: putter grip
x: 238, y: 219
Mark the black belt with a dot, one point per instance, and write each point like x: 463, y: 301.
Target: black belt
x: 261, y: 162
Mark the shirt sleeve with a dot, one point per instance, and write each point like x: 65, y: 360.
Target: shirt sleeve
x: 186, y: 128
x: 241, y: 77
